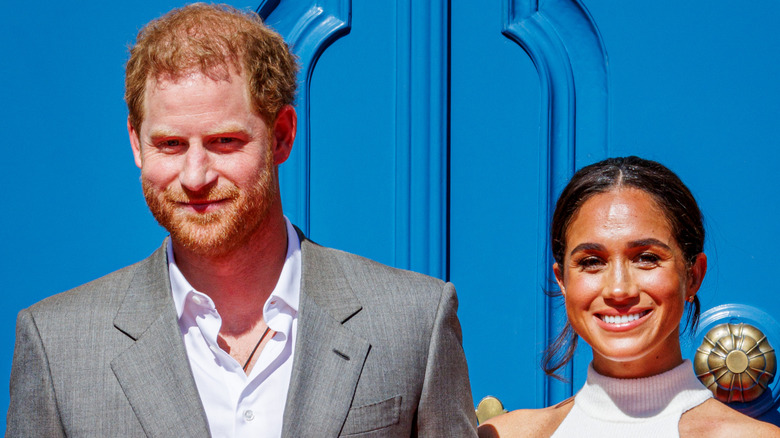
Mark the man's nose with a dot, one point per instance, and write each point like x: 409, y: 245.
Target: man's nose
x: 196, y: 172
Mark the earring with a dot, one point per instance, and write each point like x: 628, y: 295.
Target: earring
x: 690, y: 299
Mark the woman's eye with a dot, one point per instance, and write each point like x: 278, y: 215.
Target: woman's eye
x: 647, y: 259
x: 590, y: 263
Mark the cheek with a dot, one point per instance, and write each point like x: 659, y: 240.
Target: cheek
x: 159, y: 172
x: 244, y: 169
x: 662, y: 286
x: 581, y: 291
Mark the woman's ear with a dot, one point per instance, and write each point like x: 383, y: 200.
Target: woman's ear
x: 696, y: 274
x: 559, y: 277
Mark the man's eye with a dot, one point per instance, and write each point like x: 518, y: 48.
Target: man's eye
x: 225, y: 140
x: 171, y: 143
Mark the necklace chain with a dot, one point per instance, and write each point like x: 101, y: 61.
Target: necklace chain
x: 267, y: 329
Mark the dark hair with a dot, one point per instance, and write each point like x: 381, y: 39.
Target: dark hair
x: 672, y: 196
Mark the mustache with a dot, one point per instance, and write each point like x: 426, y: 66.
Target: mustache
x: 212, y: 194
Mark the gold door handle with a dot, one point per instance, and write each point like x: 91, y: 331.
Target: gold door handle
x: 488, y: 408
x: 736, y: 362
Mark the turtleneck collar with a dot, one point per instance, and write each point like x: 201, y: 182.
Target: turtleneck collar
x: 629, y: 400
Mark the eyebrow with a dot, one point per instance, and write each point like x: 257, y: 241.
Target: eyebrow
x: 632, y: 244
x: 162, y: 132
x: 230, y: 128
x: 648, y: 242
x: 227, y: 128
x: 587, y: 247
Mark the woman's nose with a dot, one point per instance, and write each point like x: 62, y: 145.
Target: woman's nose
x: 619, y: 285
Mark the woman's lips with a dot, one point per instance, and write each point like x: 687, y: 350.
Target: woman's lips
x: 624, y: 321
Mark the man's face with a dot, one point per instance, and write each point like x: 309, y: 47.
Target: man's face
x: 208, y: 165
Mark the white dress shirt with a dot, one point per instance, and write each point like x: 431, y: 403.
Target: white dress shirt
x: 238, y: 405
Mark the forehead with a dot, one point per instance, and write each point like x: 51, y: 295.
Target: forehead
x: 620, y: 214
x: 163, y: 80
x: 195, y: 96
x: 194, y: 77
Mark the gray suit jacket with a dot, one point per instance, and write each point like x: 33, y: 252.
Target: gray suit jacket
x: 378, y: 354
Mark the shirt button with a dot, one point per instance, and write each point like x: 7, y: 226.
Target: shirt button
x: 249, y: 415
x: 197, y: 300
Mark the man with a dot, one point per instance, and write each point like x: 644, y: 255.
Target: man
x: 238, y: 325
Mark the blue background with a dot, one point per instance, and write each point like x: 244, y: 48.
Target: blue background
x: 412, y: 87
x: 73, y: 204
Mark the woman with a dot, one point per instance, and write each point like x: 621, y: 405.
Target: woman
x: 627, y: 238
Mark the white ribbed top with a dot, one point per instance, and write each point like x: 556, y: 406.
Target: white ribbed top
x: 646, y: 407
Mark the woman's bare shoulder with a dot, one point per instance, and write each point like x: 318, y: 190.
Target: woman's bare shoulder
x: 526, y: 422
x: 714, y: 419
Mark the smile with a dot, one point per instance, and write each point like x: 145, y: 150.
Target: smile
x: 202, y: 206
x: 623, y: 319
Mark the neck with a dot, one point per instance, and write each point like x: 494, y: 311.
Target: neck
x: 661, y: 359
x: 636, y: 400
x: 247, y: 274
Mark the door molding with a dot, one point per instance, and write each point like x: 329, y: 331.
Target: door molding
x: 422, y: 136
x: 309, y: 27
x: 563, y: 42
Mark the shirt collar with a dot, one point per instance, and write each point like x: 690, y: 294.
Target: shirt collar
x: 286, y: 293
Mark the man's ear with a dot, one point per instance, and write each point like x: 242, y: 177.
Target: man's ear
x: 285, y: 127
x: 559, y: 277
x: 135, y: 143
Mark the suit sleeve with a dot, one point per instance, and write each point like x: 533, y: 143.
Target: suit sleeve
x: 33, y: 409
x: 446, y: 407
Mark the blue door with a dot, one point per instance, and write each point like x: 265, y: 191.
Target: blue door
x: 435, y: 136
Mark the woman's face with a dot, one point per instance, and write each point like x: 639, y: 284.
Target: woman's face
x: 625, y: 282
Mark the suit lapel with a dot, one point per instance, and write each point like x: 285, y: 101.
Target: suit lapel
x: 328, y: 357
x: 154, y: 372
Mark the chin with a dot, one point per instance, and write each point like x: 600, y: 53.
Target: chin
x: 627, y: 351
x: 213, y: 240
x: 207, y: 247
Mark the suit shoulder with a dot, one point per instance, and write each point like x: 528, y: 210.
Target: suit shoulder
x: 378, y: 287
x: 93, y: 293
x: 360, y: 266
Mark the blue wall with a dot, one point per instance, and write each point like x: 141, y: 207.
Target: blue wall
x: 443, y: 128
x: 73, y: 204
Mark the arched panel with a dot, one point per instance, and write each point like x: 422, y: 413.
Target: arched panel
x: 422, y: 144
x: 371, y: 154
x: 564, y: 44
x: 309, y: 28
x: 494, y: 184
